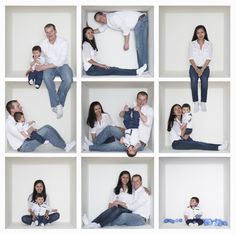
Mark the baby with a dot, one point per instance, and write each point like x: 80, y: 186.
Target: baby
x: 187, y: 118
x: 40, y: 211
x: 131, y: 138
x: 35, y: 77
x: 26, y: 129
x: 193, y: 213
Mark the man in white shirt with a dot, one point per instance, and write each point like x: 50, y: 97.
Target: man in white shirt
x: 125, y: 21
x: 55, y: 51
x: 19, y: 142
x: 140, y: 206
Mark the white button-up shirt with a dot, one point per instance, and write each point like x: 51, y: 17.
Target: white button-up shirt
x: 14, y: 138
x: 200, y: 55
x: 30, y: 202
x: 99, y: 126
x: 192, y: 213
x: 40, y: 210
x: 123, y: 21
x: 123, y: 196
x: 175, y: 132
x: 141, y: 203
x: 187, y: 119
x: 88, y: 53
x: 56, y: 53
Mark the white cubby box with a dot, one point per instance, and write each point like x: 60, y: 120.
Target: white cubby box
x: 113, y: 96
x: 212, y: 126
x: 177, y: 24
x: 36, y: 106
x: 59, y: 176
x: 25, y: 28
x: 95, y: 200
x: 205, y: 178
x: 110, y: 43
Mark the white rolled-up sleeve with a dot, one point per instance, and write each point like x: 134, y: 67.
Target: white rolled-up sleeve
x: 86, y: 50
x: 210, y: 51
x: 190, y: 51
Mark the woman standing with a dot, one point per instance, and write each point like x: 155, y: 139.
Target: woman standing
x: 122, y: 192
x: 39, y: 187
x: 200, y: 55
x: 181, y: 141
x: 92, y: 67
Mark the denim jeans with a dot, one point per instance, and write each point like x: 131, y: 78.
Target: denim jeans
x: 36, y: 76
x: 27, y: 219
x: 48, y: 133
x: 131, y: 119
x: 141, y: 40
x: 66, y: 75
x: 106, y: 217
x: 190, y: 144
x: 188, y: 131
x: 99, y: 71
x: 194, y: 83
x: 129, y: 219
x: 35, y: 136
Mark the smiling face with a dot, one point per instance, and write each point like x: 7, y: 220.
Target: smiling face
x: 39, y: 200
x: 124, y: 179
x: 136, y: 182
x: 98, y: 110
x: 177, y: 111
x: 16, y: 107
x: 36, y: 53
x: 201, y: 34
x: 193, y: 203
x: 39, y: 187
x: 89, y: 34
x: 51, y: 34
x: 142, y: 100
x: 102, y: 19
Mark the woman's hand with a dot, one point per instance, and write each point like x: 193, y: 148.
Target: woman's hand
x: 33, y: 216
x: 104, y: 66
x: 183, y: 128
x: 54, y: 210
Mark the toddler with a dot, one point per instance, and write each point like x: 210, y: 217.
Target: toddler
x: 187, y: 118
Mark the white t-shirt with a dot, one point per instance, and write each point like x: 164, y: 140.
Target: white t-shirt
x: 22, y: 127
x: 41, y: 60
x: 123, y: 21
x: 123, y: 196
x: 131, y: 137
x: 200, y: 55
x: 187, y: 119
x: 40, y: 210
x: 56, y: 53
x: 192, y: 212
x: 30, y: 202
x: 88, y: 53
x: 98, y: 127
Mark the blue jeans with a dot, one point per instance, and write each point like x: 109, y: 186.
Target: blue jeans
x: 66, y: 75
x: 141, y: 40
x: 190, y: 144
x: 48, y: 133
x: 36, y: 76
x: 131, y: 119
x: 129, y: 219
x: 188, y: 131
x: 27, y: 219
x: 194, y: 83
x: 35, y: 136
x: 106, y: 217
x: 99, y: 71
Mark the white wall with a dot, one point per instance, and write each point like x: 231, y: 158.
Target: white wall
x: 115, y: 55
x: 177, y: 25
x: 39, y: 109
x: 113, y: 96
x: 183, y: 178
x: 97, y: 186
x: 59, y: 176
x: 212, y: 126
x: 25, y: 28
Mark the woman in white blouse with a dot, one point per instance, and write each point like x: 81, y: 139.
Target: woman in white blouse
x: 92, y: 67
x: 200, y: 55
x: 179, y: 140
x: 122, y: 192
x: 39, y: 187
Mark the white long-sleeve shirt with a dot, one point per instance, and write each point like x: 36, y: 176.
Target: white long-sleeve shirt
x: 175, y: 132
x: 187, y: 119
x: 123, y: 21
x: 200, y: 55
x: 56, y: 53
x: 141, y: 203
x: 14, y: 138
x: 88, y: 53
x: 123, y: 196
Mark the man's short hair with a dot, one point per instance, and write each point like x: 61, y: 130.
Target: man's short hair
x: 37, y: 48
x: 9, y: 105
x: 137, y: 175
x: 143, y: 93
x: 98, y: 13
x: 50, y: 25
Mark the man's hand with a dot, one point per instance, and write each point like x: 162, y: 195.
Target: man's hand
x: 126, y: 46
x: 137, y: 108
x: 40, y: 67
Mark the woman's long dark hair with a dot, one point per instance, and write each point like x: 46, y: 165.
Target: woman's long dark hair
x: 119, y: 183
x: 92, y: 42
x: 195, y: 32
x: 35, y: 192
x: 171, y: 117
x: 91, y: 115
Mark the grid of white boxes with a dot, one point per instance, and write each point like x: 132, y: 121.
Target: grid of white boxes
x: 81, y: 182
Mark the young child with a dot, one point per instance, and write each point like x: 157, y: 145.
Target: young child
x: 187, y: 118
x: 131, y: 138
x: 40, y: 211
x: 26, y: 129
x: 193, y: 213
x: 35, y: 77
